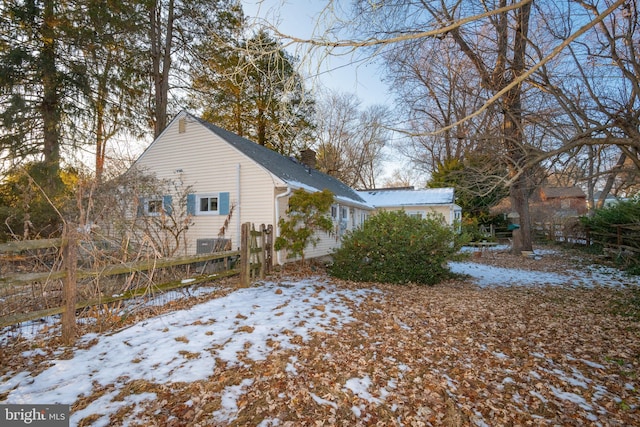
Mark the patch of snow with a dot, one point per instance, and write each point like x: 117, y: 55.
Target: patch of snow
x: 229, y: 401
x: 490, y: 276
x: 487, y: 275
x: 538, y: 395
x: 269, y: 422
x: 321, y: 401
x: 356, y: 411
x: 360, y: 387
x: 571, y: 397
x: 182, y: 346
x: 592, y: 364
x: 291, y: 366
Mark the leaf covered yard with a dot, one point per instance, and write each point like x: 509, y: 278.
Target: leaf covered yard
x: 311, y: 350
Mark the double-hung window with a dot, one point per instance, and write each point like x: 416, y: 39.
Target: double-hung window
x: 154, y: 205
x: 207, y: 204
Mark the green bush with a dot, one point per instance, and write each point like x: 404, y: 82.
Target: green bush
x: 605, y: 219
x: 603, y: 226
x: 307, y: 214
x: 393, y: 247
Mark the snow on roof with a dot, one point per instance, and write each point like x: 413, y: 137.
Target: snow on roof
x: 408, y: 197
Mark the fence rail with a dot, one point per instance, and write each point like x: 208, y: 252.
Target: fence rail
x: 619, y: 238
x: 33, y: 295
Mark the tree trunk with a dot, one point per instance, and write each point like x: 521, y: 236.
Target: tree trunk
x: 513, y: 133
x: 610, y: 180
x: 161, y: 62
x: 50, y: 107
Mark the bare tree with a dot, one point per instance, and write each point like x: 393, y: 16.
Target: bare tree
x: 436, y: 86
x: 351, y: 139
x: 599, y: 93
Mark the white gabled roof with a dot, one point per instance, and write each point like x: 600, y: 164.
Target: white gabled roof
x: 408, y: 197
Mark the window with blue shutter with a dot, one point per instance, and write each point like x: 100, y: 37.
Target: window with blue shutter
x: 208, y: 204
x: 153, y: 206
x: 223, y: 204
x: 191, y: 204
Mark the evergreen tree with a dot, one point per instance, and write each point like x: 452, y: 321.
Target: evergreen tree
x: 477, y: 183
x: 251, y: 87
x: 40, y: 79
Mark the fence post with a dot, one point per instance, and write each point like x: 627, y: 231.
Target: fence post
x: 263, y: 258
x: 70, y: 258
x: 245, y: 255
x: 268, y: 249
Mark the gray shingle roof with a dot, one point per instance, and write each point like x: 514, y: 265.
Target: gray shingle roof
x: 287, y: 169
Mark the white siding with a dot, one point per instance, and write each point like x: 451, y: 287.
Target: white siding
x: 210, y: 165
x: 444, y: 210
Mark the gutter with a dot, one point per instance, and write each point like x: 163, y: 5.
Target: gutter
x: 238, y: 222
x: 277, y: 224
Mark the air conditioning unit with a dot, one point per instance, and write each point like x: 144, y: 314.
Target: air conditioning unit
x: 207, y: 246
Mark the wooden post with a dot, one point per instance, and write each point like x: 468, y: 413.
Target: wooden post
x: 245, y: 255
x: 263, y: 258
x: 268, y: 249
x: 70, y: 258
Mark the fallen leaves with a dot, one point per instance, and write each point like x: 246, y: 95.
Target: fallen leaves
x: 452, y: 354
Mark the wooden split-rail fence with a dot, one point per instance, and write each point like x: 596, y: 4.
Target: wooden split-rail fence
x: 26, y: 296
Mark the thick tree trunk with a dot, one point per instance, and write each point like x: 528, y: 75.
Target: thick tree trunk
x: 161, y: 62
x: 513, y: 134
x: 610, y: 180
x: 50, y: 107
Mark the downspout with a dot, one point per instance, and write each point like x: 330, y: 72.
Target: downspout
x: 238, y: 223
x: 277, y: 225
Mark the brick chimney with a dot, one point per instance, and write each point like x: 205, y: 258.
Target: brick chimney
x: 308, y: 158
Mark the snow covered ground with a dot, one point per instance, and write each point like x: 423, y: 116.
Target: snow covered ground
x: 183, y: 346
x: 186, y: 345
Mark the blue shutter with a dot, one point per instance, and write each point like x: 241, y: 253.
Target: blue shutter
x: 191, y: 204
x: 223, y: 203
x: 140, y: 207
x: 167, y: 204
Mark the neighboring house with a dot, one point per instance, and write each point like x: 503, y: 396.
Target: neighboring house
x: 553, y: 203
x: 234, y: 180
x: 415, y: 202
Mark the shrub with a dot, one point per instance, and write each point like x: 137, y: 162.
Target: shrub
x: 307, y: 214
x: 604, y: 224
x: 393, y: 247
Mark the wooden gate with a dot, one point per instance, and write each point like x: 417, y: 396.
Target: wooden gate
x: 256, y: 252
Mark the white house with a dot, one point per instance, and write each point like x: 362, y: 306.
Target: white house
x: 234, y: 180
x: 415, y: 202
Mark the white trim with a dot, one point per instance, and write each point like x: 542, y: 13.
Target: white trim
x: 145, y: 205
x: 199, y: 197
x: 277, y: 224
